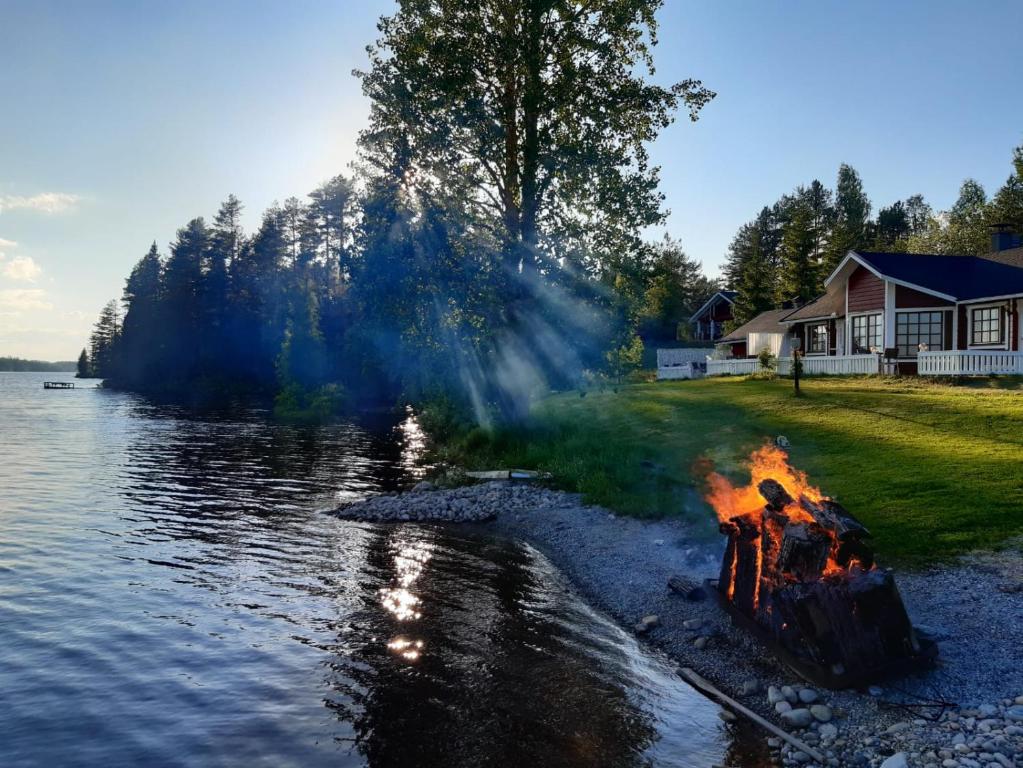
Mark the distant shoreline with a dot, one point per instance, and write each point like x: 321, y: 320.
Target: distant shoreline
x: 21, y: 365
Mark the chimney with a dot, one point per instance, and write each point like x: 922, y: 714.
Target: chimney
x: 1003, y: 238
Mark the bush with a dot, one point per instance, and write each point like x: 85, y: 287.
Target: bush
x: 294, y: 403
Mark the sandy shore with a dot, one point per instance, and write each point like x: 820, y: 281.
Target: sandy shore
x: 622, y: 566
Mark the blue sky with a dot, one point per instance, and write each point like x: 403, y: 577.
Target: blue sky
x: 119, y: 121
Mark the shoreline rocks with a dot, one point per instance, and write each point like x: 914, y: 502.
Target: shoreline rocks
x: 621, y: 565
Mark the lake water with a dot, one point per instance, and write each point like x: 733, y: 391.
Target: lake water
x: 172, y: 595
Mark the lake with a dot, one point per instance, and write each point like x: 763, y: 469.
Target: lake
x: 172, y: 595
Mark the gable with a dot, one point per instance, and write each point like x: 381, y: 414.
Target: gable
x: 866, y: 291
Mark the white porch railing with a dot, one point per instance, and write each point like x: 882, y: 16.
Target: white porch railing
x: 971, y: 362
x: 737, y: 367
x: 812, y: 366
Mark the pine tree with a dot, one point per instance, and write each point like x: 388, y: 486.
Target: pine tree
x: 799, y: 280
x: 103, y: 340
x: 182, y: 286
x: 84, y: 365
x: 852, y: 215
x: 141, y: 349
x: 1006, y: 207
x: 966, y: 232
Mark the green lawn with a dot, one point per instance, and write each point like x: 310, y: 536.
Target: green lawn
x: 933, y: 470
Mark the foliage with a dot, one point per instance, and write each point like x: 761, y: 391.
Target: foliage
x: 767, y: 359
x: 635, y: 451
x: 675, y: 287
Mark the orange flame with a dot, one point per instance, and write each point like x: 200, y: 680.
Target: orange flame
x: 731, y: 502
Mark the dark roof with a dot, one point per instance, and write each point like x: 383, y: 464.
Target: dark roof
x: 830, y: 304
x: 765, y: 322
x: 962, y: 277
x: 728, y: 295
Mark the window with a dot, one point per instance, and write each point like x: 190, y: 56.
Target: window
x: 915, y: 328
x: 986, y: 325
x: 817, y: 339
x: 866, y: 333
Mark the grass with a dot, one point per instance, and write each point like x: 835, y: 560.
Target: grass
x: 933, y: 470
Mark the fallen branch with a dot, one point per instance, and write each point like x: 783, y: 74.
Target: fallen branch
x: 698, y: 682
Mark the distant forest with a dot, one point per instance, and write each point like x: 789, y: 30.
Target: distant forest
x: 784, y: 255
x: 488, y: 245
x: 18, y: 364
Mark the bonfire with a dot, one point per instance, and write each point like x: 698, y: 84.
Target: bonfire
x: 798, y: 572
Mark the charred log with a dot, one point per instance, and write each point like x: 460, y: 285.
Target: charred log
x: 835, y: 518
x: 777, y: 497
x: 804, y: 551
x: 688, y: 588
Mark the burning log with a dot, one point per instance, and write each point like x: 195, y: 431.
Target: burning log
x: 804, y: 551
x: 801, y: 575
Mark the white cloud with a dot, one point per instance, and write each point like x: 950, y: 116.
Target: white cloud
x: 24, y: 299
x: 21, y: 268
x: 44, y: 202
x: 7, y: 243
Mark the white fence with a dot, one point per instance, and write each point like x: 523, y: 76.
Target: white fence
x: 970, y: 362
x: 812, y: 366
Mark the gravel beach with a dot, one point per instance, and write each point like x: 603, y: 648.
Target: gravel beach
x: 621, y: 565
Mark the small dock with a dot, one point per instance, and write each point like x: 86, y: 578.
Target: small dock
x: 58, y: 385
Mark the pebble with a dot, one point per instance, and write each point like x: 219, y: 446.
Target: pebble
x: 774, y: 695
x: 647, y: 623
x: 798, y: 718
x: 1015, y: 713
x: 790, y: 694
x: 821, y: 712
x: 898, y: 760
x: 808, y: 695
x: 750, y: 686
x: 692, y: 623
x: 782, y: 707
x: 700, y: 643
x: 828, y: 731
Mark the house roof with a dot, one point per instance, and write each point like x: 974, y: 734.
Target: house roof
x: 728, y: 296
x: 765, y: 322
x: 831, y: 304
x: 955, y: 278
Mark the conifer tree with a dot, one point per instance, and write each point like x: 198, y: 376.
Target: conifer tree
x: 852, y: 215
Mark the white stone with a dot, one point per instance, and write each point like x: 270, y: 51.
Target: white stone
x: 828, y: 731
x: 774, y: 695
x: 782, y: 707
x: 789, y: 693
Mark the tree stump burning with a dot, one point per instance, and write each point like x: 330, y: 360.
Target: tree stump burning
x: 798, y: 573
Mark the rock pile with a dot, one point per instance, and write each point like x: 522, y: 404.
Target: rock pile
x: 989, y: 736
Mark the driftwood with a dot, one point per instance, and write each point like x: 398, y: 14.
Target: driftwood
x: 703, y: 685
x: 688, y: 588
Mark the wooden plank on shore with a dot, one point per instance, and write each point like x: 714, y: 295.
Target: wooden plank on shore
x: 707, y: 687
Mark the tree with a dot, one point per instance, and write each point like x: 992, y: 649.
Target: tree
x: 104, y: 337
x: 675, y: 287
x: 330, y: 219
x: 535, y: 113
x: 966, y: 232
x: 852, y: 214
x: 182, y: 285
x: 892, y: 229
x: 752, y: 265
x: 799, y: 279
x: 143, y: 334
x: 84, y: 367
x: 1006, y: 207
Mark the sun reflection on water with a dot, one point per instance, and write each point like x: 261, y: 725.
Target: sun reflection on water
x: 410, y: 559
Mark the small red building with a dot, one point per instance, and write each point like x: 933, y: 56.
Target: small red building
x: 709, y: 320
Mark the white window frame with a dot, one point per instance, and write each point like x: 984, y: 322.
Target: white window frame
x: 849, y: 324
x: 1002, y: 319
x: 807, y: 335
x: 918, y: 310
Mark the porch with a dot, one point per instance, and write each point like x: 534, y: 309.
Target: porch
x: 971, y: 362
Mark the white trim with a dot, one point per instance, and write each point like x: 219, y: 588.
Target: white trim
x: 817, y: 318
x: 863, y: 263
x: 1006, y: 297
x: 697, y: 313
x: 848, y: 323
x: 889, y: 315
x: 1002, y: 318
